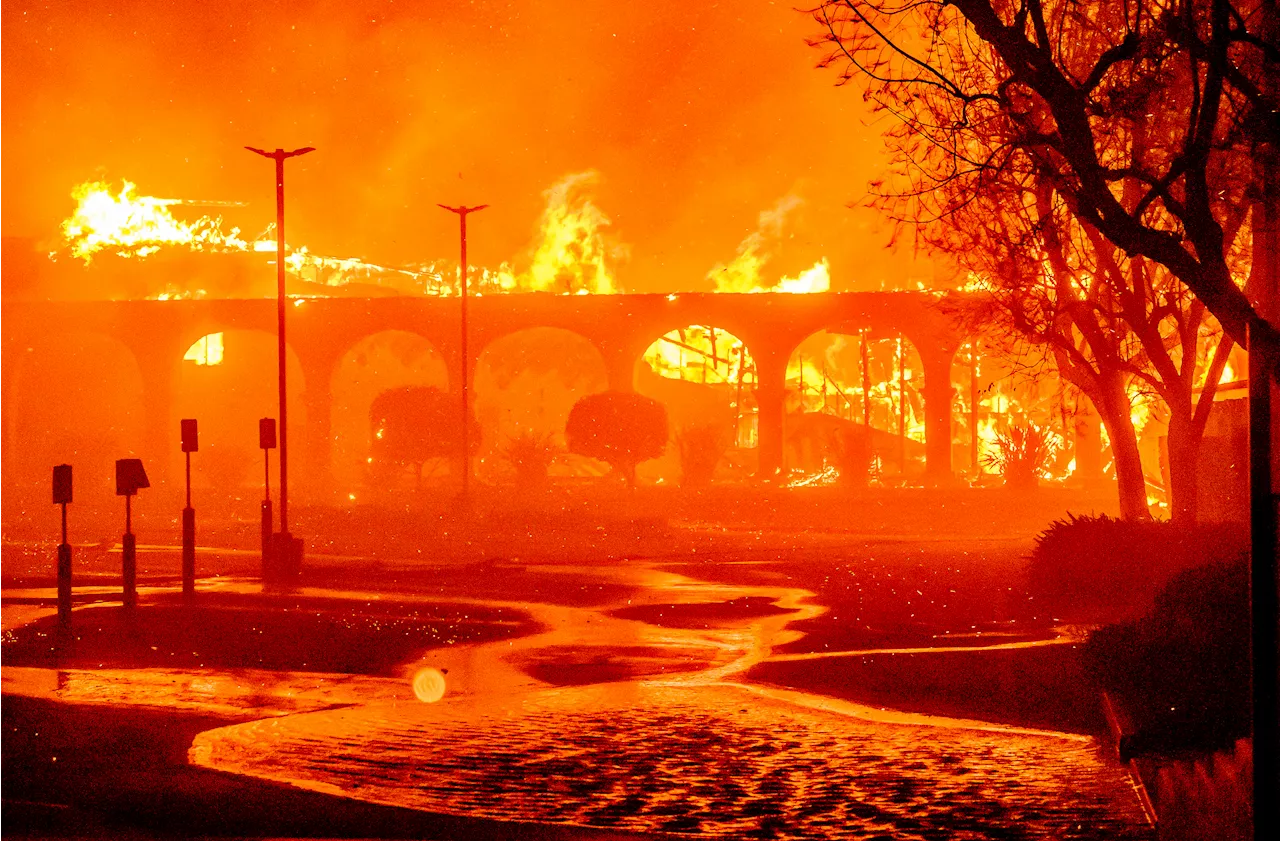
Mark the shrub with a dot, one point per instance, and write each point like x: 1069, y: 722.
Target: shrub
x: 619, y: 428
x: 1182, y: 671
x: 1100, y: 567
x: 530, y: 454
x: 1022, y: 454
x: 701, y: 448
x: 412, y: 425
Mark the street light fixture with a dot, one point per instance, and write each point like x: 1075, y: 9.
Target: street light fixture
x: 287, y: 554
x: 462, y: 212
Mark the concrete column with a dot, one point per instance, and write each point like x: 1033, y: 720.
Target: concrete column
x: 770, y: 397
x: 937, y: 394
x: 620, y: 366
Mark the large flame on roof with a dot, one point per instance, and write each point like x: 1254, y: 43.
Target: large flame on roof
x: 574, y: 255
x: 743, y: 272
x: 134, y: 226
x: 573, y: 251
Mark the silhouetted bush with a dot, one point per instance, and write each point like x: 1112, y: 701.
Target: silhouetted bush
x: 1021, y: 455
x: 1182, y: 671
x: 1101, y: 568
x: 412, y: 425
x: 701, y: 448
x: 619, y: 428
x: 530, y: 454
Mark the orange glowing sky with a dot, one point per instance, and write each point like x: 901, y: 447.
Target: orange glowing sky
x: 697, y: 116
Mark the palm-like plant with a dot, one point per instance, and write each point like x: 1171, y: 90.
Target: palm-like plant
x: 1022, y: 455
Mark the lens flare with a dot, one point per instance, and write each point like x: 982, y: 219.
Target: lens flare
x: 429, y: 685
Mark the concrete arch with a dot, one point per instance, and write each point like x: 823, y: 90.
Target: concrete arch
x: 379, y: 361
x: 707, y: 381
x: 484, y: 340
x: 621, y: 327
x: 76, y: 397
x: 526, y: 381
x: 869, y: 379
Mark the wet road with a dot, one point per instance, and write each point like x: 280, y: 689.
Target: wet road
x: 673, y: 742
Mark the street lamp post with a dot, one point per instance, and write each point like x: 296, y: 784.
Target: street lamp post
x: 462, y: 212
x: 286, y: 556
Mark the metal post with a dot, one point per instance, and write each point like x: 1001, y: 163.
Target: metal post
x: 64, y: 574
x: 866, y: 386
x: 188, y: 542
x: 902, y: 409
x: 267, y: 524
x: 287, y: 548
x: 464, y: 378
x: 737, y: 405
x: 973, y: 410
x: 129, y: 556
x: 282, y: 359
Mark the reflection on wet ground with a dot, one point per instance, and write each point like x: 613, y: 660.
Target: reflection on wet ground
x: 716, y: 760
x: 631, y: 709
x: 674, y: 744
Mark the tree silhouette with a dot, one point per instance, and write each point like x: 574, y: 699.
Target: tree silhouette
x: 411, y: 425
x: 1116, y: 327
x: 1068, y: 90
x: 619, y: 428
x: 988, y: 173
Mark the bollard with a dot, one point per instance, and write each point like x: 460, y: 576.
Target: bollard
x: 188, y: 553
x: 267, y: 441
x: 130, y: 477
x: 266, y: 527
x: 62, y: 496
x: 285, y: 559
x: 190, y: 444
x: 64, y: 585
x: 129, y: 569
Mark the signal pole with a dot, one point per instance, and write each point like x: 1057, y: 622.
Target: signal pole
x: 462, y: 211
x: 285, y: 552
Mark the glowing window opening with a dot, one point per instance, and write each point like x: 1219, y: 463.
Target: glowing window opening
x: 206, y: 351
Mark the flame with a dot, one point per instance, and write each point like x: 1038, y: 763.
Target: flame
x: 173, y: 293
x: 1141, y: 408
x: 700, y: 354
x: 816, y: 278
x: 573, y: 255
x: 130, y: 225
x: 742, y: 274
x: 573, y: 251
x: 818, y: 382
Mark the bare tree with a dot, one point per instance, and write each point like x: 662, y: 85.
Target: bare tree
x: 1001, y: 150
x: 1117, y: 328
x: 1065, y: 85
